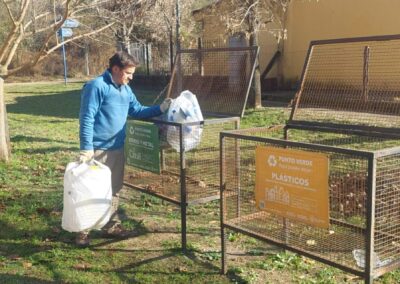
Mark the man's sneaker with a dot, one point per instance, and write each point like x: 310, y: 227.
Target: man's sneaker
x: 117, y: 231
x: 82, y: 239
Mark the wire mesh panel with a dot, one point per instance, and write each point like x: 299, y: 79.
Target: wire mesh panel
x: 201, y: 164
x: 220, y: 78
x: 351, y: 82
x: 387, y: 209
x: 348, y: 195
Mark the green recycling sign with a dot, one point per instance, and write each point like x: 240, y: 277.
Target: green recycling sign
x: 142, y: 146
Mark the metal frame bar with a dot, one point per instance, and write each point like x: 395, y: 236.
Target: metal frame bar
x: 236, y: 134
x: 155, y: 194
x: 219, y: 49
x: 250, y: 80
x: 183, y: 190
x: 370, y: 233
x: 381, y: 132
x: 293, y: 249
x: 356, y: 39
x: 222, y: 203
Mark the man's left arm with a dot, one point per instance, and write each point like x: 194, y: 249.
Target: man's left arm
x: 137, y: 110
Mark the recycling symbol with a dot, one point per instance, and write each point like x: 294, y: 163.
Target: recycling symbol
x: 272, y: 161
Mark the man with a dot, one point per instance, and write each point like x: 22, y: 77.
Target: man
x: 106, y: 102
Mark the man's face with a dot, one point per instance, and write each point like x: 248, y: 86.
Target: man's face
x: 122, y: 76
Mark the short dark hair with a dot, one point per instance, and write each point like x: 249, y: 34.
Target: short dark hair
x: 123, y: 59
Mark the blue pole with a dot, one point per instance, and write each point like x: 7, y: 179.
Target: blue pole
x: 64, y: 57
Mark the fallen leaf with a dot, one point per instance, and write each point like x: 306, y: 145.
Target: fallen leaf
x: 60, y: 168
x: 202, y: 184
x: 26, y: 264
x: 310, y: 242
x: 55, y: 213
x: 82, y: 266
x: 350, y: 277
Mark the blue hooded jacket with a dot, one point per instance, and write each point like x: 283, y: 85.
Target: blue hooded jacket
x: 104, y: 110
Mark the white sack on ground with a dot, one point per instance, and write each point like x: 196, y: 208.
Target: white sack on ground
x: 87, y: 196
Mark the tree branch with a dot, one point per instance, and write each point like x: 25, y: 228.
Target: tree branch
x: 15, y: 46
x: 9, y: 12
x: 42, y: 55
x: 35, y: 19
x: 13, y: 35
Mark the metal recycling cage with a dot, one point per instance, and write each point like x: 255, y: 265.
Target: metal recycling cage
x: 220, y: 78
x: 347, y: 111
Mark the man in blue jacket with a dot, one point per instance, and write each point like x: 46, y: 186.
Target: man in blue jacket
x: 106, y: 102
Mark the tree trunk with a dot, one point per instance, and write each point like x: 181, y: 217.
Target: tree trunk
x: 5, y: 147
x: 257, y: 74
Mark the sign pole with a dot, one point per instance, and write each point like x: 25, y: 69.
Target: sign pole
x: 64, y: 57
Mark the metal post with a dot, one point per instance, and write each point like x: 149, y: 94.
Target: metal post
x: 285, y: 221
x: 183, y: 189
x: 237, y: 171
x: 87, y: 59
x: 222, y: 203
x: 370, y: 232
x: 147, y: 59
x: 64, y: 57
x: 200, y: 57
x: 178, y: 48
x: 365, y: 73
x: 177, y: 15
x: 171, y: 52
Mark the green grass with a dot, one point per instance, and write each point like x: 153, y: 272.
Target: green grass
x: 43, y: 123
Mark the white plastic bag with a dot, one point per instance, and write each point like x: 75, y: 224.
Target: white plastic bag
x: 185, y: 108
x: 87, y: 196
x: 359, y: 256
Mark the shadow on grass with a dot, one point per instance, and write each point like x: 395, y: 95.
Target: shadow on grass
x: 48, y: 150
x: 43, y: 150
x: 23, y: 138
x: 169, y: 254
x: 65, y: 105
x: 13, y: 279
x: 28, y: 220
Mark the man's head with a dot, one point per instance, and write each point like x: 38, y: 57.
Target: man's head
x: 122, y: 65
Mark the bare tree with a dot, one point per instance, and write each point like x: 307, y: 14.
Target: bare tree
x: 251, y: 16
x: 145, y: 20
x: 129, y: 18
x: 37, y: 21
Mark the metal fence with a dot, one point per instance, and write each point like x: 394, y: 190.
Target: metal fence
x: 347, y: 110
x: 155, y: 59
x: 220, y: 79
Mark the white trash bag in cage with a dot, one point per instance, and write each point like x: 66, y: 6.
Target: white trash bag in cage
x: 185, y: 108
x: 87, y: 196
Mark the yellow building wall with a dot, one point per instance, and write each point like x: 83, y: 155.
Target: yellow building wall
x: 309, y: 20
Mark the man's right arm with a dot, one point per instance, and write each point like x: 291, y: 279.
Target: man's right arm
x: 90, y: 102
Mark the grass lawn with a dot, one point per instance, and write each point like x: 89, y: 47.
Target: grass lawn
x: 43, y: 123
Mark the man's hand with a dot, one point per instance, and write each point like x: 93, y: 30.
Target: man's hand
x: 164, y: 106
x: 85, y: 155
